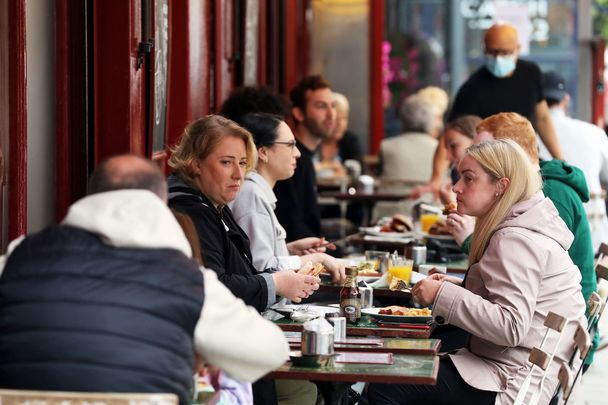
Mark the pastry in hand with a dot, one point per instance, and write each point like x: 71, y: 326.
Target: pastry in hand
x: 450, y: 208
x: 312, y: 269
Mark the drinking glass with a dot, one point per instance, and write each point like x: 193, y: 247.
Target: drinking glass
x: 401, y: 268
x: 428, y: 220
x: 379, y: 259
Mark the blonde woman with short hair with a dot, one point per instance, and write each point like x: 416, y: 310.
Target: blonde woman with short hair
x: 209, y: 165
x: 519, y: 270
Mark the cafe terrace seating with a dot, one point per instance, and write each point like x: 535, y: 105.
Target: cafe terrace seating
x: 568, y: 372
x: 20, y: 397
x: 541, y: 359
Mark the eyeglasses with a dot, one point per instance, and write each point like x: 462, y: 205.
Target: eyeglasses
x: 290, y: 144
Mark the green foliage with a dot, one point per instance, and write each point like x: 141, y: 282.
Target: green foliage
x: 600, y: 18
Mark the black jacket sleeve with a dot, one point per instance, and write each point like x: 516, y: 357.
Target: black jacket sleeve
x: 224, y: 258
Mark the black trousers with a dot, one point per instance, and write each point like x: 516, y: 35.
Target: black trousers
x: 449, y: 390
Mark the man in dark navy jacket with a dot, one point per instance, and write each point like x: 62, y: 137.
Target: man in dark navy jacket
x: 110, y: 300
x: 314, y: 114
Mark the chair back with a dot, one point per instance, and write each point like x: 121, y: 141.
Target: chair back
x: 568, y: 373
x: 541, y: 359
x: 602, y: 252
x: 20, y: 397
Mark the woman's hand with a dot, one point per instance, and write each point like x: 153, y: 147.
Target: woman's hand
x: 425, y: 291
x: 444, y: 277
x: 430, y: 187
x: 294, y: 286
x: 309, y: 245
x: 460, y: 226
x: 438, y: 276
x: 446, y: 195
x: 333, y: 266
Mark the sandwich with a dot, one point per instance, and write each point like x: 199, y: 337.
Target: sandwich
x: 450, y: 208
x: 312, y: 269
x: 399, y: 223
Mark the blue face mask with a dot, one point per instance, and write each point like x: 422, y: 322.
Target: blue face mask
x: 500, y: 66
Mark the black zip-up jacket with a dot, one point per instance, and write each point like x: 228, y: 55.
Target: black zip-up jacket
x: 224, y: 245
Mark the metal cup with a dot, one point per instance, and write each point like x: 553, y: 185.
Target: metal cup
x: 367, y: 297
x: 317, y: 343
x: 339, y: 323
x: 419, y: 255
x: 378, y: 256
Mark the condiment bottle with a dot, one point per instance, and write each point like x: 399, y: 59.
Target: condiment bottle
x: 350, y: 297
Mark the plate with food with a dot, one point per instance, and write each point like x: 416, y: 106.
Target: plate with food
x: 395, y: 313
x: 398, y: 226
x: 367, y: 271
x: 444, y: 237
x: 377, y: 231
x: 439, y: 230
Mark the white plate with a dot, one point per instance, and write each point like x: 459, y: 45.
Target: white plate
x: 395, y: 318
x: 289, y: 308
x: 368, y: 279
x: 438, y: 237
x: 375, y: 231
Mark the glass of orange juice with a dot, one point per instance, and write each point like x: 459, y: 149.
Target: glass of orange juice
x: 401, y: 268
x: 428, y: 220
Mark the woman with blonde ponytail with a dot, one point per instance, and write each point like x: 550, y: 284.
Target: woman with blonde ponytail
x: 519, y: 271
x: 501, y: 163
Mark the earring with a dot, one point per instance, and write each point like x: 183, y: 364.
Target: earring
x: 496, y: 195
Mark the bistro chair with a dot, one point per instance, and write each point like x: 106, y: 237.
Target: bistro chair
x: 20, y: 397
x: 541, y: 359
x: 602, y: 252
x: 568, y: 373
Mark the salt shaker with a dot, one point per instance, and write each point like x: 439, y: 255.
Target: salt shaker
x: 419, y: 255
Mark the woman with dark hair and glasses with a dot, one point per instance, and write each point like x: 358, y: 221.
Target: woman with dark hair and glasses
x: 253, y: 209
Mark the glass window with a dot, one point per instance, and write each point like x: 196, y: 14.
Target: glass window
x: 161, y: 24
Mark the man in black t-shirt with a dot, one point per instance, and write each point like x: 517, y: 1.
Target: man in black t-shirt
x: 314, y: 115
x: 504, y: 83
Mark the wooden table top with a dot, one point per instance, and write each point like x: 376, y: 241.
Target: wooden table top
x: 406, y: 369
x: 365, y: 327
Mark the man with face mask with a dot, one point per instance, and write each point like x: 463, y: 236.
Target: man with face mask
x: 507, y: 84
x: 504, y: 83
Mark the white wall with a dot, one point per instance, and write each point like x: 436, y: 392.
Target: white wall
x: 340, y: 52
x: 40, y: 113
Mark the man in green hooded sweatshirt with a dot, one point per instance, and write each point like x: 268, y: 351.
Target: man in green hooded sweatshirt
x: 563, y: 184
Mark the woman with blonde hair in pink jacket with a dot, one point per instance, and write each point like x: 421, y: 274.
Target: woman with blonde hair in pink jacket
x: 519, y: 270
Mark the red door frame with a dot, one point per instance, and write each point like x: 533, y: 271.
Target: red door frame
x: 296, y: 43
x: 16, y: 154
x: 376, y: 37
x: 598, y: 47
x: 71, y: 111
x: 119, y: 103
x: 188, y: 87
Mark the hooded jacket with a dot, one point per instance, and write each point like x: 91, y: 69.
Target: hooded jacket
x: 566, y: 187
x: 224, y: 245
x: 524, y: 273
x: 136, y: 227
